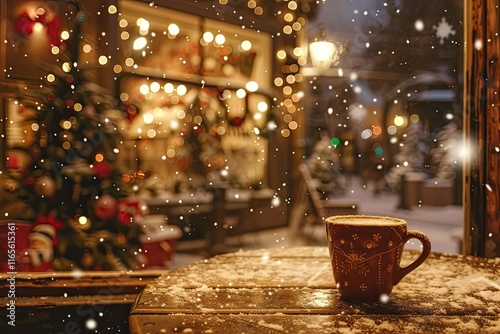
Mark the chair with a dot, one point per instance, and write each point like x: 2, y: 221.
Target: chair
x: 309, y: 208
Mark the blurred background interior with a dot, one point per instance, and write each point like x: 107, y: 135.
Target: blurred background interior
x: 180, y: 134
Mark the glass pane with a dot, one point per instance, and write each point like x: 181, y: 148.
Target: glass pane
x: 390, y: 110
x: 192, y: 116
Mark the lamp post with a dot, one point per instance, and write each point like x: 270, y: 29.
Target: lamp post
x: 324, y: 53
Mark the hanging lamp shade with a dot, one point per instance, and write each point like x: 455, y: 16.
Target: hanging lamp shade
x: 322, y: 53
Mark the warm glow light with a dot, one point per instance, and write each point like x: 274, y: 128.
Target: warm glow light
x: 298, y: 51
x: 322, y: 53
x: 414, y: 118
x: 173, y: 29
x: 262, y: 106
x: 241, y: 93
x: 64, y: 35
x: 37, y: 27
x: 103, y: 60
x: 87, y: 48
x: 252, y: 86
x: 246, y: 45
x: 168, y: 88
x: 143, y: 26
x: 220, y: 39
x: 155, y: 86
x: 148, y: 118
x: 66, y: 67
x: 288, y: 17
x: 181, y: 90
x: 377, y: 130
x: 99, y: 157
x: 208, y: 37
x: 112, y: 9
x: 144, y: 89
x: 281, y: 54
x: 151, y: 133
x: 82, y: 220
x: 66, y: 125
x: 399, y: 121
x: 140, y: 43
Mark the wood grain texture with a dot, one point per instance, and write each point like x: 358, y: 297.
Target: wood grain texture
x: 482, y: 129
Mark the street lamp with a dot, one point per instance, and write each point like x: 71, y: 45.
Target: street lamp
x: 324, y: 53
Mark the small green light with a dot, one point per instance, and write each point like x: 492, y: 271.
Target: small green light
x: 379, y: 152
x: 335, y: 142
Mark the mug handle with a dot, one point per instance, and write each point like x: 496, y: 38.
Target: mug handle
x: 399, y: 273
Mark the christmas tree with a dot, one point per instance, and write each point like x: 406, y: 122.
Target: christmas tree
x: 81, y: 218
x: 445, y: 156
x: 324, y: 164
x: 413, y: 151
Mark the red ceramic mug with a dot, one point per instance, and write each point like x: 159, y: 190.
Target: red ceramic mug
x: 365, y: 252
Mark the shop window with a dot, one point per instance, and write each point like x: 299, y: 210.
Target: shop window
x: 195, y: 95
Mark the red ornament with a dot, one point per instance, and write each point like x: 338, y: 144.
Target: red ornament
x: 199, y: 130
x: 236, y: 121
x: 24, y: 24
x: 54, y: 30
x: 102, y: 170
x: 70, y: 104
x: 131, y: 210
x: 51, y: 97
x: 45, y: 186
x: 105, y: 206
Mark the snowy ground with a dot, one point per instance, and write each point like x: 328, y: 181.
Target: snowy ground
x: 443, y: 225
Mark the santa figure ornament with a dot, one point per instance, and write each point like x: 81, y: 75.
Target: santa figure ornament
x: 42, y: 240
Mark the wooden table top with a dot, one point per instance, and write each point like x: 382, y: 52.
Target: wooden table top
x: 292, y: 291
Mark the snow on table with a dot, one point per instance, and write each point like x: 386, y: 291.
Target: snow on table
x: 293, y: 291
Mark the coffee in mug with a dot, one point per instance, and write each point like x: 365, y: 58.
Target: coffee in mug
x: 365, y: 252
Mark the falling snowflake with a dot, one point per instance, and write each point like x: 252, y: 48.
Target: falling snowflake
x: 443, y: 30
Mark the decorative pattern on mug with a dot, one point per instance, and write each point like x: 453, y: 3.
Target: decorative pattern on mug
x: 354, y: 261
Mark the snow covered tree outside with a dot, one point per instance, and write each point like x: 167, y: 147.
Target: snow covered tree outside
x: 413, y: 151
x: 324, y: 164
x: 446, y: 156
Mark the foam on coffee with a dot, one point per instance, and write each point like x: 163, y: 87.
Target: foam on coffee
x: 365, y: 220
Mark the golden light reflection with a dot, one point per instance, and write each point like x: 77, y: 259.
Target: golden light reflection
x: 285, y: 133
x: 399, y: 120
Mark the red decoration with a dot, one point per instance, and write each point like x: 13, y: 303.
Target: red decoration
x: 22, y: 230
x: 105, y: 206
x: 158, y: 241
x: 29, y: 181
x: 24, y: 24
x: 184, y: 162
x: 101, y: 170
x: 12, y: 161
x: 49, y: 219
x: 236, y: 121
x: 70, y: 104
x: 131, y: 210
